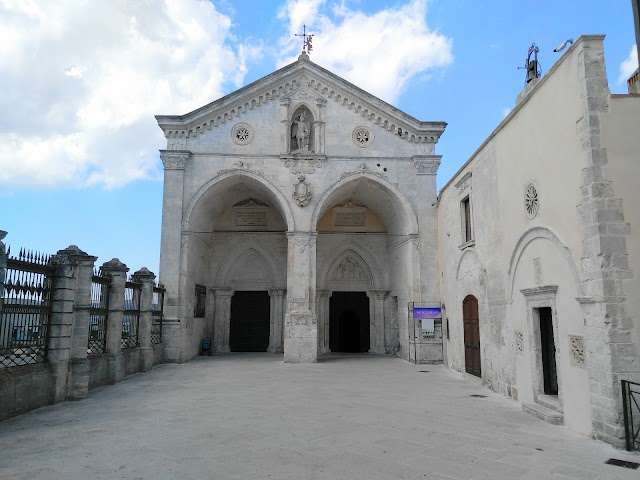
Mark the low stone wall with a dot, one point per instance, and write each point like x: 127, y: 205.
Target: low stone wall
x: 131, y: 360
x: 99, y: 371
x: 158, y: 354
x: 24, y: 388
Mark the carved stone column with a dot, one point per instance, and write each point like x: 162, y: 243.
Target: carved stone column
x: 222, y: 319
x: 322, y: 312
x: 276, y: 321
x: 175, y: 162
x: 115, y: 359
x: 377, y: 320
x: 301, y: 330
x: 147, y: 278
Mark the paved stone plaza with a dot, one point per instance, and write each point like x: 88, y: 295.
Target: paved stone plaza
x: 249, y: 416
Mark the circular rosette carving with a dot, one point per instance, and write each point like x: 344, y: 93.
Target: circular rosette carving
x: 531, y: 201
x: 242, y: 133
x: 362, y: 136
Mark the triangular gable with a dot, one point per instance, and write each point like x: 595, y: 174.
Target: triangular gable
x: 301, y: 79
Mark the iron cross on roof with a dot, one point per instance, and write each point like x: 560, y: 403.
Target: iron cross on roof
x: 306, y: 40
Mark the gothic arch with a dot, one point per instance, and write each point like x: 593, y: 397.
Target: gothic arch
x: 226, y: 180
x: 469, y: 252
x: 522, y: 243
x: 272, y: 277
x: 349, y: 271
x: 343, y: 187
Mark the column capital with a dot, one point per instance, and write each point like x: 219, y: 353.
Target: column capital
x: 223, y: 292
x: 377, y: 294
x: 175, y: 159
x: 426, y: 164
x: 324, y: 293
x: 276, y: 292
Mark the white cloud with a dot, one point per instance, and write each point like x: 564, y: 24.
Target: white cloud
x: 81, y: 82
x: 629, y: 65
x: 379, y: 52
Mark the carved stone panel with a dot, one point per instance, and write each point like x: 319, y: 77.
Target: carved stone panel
x: 349, y: 215
x: 519, y: 343
x: 576, y: 350
x: 250, y: 213
x: 302, y: 192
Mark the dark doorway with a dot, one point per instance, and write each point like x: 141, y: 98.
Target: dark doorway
x: 471, y: 336
x: 548, y: 348
x: 249, y: 322
x: 349, y: 322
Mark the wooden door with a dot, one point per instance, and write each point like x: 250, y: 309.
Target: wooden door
x: 249, y: 322
x: 471, y: 336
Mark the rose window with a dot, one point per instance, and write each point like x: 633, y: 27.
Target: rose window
x: 531, y: 201
x: 242, y: 134
x: 362, y: 137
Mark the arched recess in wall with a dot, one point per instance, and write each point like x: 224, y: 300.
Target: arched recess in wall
x: 380, y: 196
x: 237, y: 273
x: 206, y: 205
x: 348, y: 272
x: 545, y: 233
x: 360, y: 251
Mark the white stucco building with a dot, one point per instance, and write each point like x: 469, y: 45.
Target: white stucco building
x: 300, y: 216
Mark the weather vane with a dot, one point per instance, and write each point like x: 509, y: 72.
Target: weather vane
x: 306, y: 40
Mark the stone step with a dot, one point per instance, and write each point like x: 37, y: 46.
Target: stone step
x: 543, y: 413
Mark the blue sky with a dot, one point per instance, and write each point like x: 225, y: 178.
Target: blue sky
x: 79, y: 145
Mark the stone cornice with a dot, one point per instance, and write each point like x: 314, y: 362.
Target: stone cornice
x: 304, y: 164
x: 175, y: 159
x: 542, y: 290
x: 278, y: 85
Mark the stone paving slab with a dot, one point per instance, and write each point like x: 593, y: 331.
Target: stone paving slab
x: 250, y: 416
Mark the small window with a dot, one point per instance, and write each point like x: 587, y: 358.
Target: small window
x: 465, y: 210
x: 200, y: 301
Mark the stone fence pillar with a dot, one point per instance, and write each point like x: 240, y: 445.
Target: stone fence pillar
x: 147, y: 278
x: 115, y: 359
x: 69, y: 324
x: 3, y: 265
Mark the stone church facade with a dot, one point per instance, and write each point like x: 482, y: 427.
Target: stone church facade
x: 300, y: 216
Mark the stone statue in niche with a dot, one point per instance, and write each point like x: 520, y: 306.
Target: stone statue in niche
x: 301, y: 131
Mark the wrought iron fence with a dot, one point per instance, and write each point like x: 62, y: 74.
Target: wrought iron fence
x: 631, y: 401
x: 100, y: 284
x: 25, y: 310
x: 157, y: 307
x: 131, y: 318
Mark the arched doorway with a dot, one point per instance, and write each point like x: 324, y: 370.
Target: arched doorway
x: 471, y: 321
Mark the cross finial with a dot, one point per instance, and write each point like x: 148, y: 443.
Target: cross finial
x: 306, y: 40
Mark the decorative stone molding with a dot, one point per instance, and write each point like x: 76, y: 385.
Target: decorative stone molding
x: 576, y: 350
x: 362, y: 137
x: 519, y: 343
x: 426, y: 165
x: 464, y: 183
x: 531, y: 201
x: 395, y: 242
x: 242, y: 134
x: 361, y: 169
x: 350, y: 270
x: 302, y: 192
x: 302, y: 164
x: 300, y: 317
x: 174, y: 159
x: 300, y: 244
x: 228, y: 109
x: 239, y: 166
x: 540, y: 291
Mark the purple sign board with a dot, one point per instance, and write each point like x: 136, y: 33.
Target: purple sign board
x: 421, y: 312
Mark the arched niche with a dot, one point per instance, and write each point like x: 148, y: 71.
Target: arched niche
x: 302, y: 130
x: 349, y: 272
x: 249, y: 269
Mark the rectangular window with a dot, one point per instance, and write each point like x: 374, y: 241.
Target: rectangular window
x: 200, y: 301
x: 465, y: 209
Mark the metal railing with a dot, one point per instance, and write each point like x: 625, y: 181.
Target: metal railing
x: 157, y: 306
x: 25, y: 309
x: 131, y: 317
x: 100, y: 285
x: 631, y: 402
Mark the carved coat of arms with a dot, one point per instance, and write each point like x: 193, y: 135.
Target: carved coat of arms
x: 302, y: 191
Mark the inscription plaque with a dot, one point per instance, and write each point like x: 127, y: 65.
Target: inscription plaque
x: 250, y: 214
x: 349, y: 215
